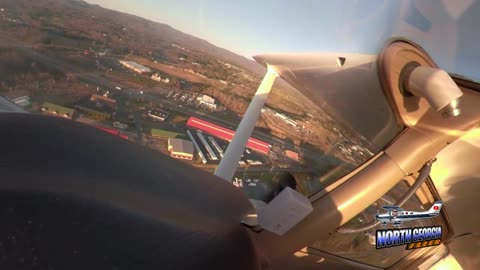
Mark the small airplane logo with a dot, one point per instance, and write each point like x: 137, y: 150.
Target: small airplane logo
x: 397, y: 215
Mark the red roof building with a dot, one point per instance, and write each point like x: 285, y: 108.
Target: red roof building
x: 226, y: 134
x: 113, y: 132
x: 292, y: 155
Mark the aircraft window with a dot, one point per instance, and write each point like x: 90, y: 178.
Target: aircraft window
x: 184, y: 97
x: 318, y: 129
x: 360, y: 246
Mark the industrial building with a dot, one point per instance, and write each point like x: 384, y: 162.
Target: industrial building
x: 227, y: 134
x: 181, y: 149
x: 57, y: 110
x: 120, y: 125
x: 157, y: 115
x: 113, y: 132
x: 197, y: 147
x: 104, y: 100
x: 135, y: 67
x: 156, y: 77
x: 207, y: 146
x: 292, y: 155
x: 216, y: 145
x: 207, y: 101
x: 95, y: 112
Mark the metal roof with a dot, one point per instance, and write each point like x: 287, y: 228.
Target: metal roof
x: 180, y: 146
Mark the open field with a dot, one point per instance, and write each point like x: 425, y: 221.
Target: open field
x: 173, y: 71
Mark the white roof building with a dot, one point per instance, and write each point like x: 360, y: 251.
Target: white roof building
x: 135, y: 67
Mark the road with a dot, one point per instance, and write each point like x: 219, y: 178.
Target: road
x: 192, y: 112
x: 311, y: 154
x: 96, y: 80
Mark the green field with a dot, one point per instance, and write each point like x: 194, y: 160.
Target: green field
x: 50, y: 107
x: 160, y: 133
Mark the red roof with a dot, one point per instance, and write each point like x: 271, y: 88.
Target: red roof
x: 292, y: 155
x: 108, y: 130
x: 226, y: 134
x: 113, y: 131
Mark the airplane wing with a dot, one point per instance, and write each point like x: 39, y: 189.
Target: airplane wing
x: 7, y: 106
x: 325, y: 79
x: 391, y: 207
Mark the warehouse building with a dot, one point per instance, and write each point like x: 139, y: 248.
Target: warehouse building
x: 104, y: 100
x: 197, y: 147
x: 292, y: 155
x: 95, y: 112
x: 57, y: 110
x: 157, y: 115
x: 181, y: 149
x: 227, y: 134
x: 207, y: 101
x: 135, y: 67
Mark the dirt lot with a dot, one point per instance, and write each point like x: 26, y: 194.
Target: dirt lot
x: 177, y: 72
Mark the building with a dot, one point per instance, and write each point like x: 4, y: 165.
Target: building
x: 207, y: 101
x: 227, y: 134
x: 135, y: 67
x: 292, y: 155
x: 216, y: 145
x: 95, y: 112
x: 157, y: 115
x: 57, y: 110
x: 120, y: 125
x: 291, y: 122
x: 286, y: 119
x: 197, y: 147
x: 113, y: 132
x: 209, y: 149
x: 181, y: 149
x: 104, y: 100
x: 156, y: 77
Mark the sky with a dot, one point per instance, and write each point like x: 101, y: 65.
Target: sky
x: 251, y: 27
x: 446, y: 29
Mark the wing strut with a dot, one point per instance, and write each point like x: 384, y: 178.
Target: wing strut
x: 227, y: 167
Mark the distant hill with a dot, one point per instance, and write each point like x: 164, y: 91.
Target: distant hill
x: 113, y: 28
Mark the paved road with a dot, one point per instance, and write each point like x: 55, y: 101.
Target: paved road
x: 307, y: 153
x: 95, y: 79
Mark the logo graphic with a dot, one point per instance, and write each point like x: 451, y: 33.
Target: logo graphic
x: 412, y: 237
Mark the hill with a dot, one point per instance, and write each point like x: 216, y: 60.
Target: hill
x: 92, y: 23
x: 73, y: 37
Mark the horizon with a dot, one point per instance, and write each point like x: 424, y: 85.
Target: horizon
x: 255, y: 32
x: 250, y: 28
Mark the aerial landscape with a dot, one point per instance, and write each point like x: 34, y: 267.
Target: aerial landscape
x: 151, y: 84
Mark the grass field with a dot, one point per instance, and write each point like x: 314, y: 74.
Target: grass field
x: 60, y: 110
x: 176, y: 118
x: 160, y: 133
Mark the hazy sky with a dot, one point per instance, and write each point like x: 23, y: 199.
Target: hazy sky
x: 447, y: 29
x: 249, y: 27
